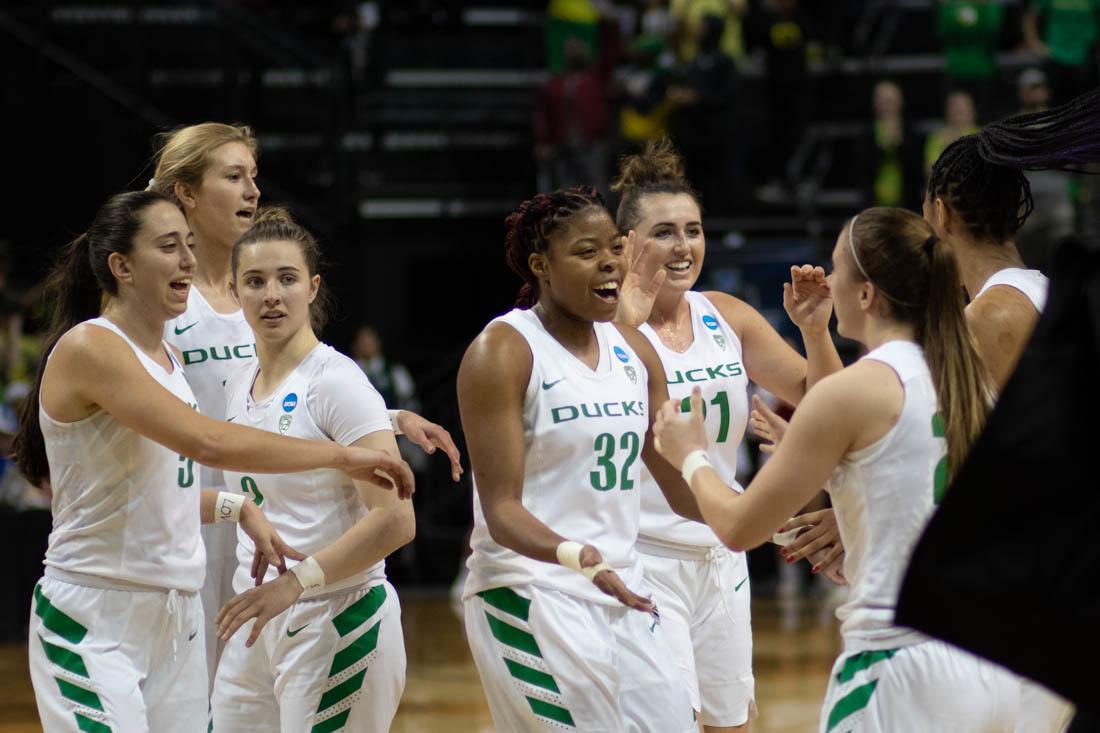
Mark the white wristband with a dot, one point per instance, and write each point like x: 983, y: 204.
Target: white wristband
x: 393, y: 419
x: 692, y: 463
x: 590, y: 573
x: 309, y: 574
x: 227, y: 507
x: 569, y: 555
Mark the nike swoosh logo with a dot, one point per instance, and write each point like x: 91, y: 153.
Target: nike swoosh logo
x: 548, y: 385
x: 179, y: 330
x: 231, y: 419
x: 295, y: 632
x: 193, y: 635
x: 738, y: 586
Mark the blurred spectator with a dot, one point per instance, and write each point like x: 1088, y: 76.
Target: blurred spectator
x: 19, y: 351
x: 566, y: 19
x: 656, y: 19
x: 702, y: 102
x: 891, y: 153
x: 784, y: 33
x: 688, y: 26
x: 393, y: 382
x: 1065, y: 43
x: 961, y: 119
x: 1052, y: 191
x: 640, y: 87
x: 572, y: 123
x: 970, y: 30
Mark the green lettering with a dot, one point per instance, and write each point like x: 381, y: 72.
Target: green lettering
x: 693, y: 379
x: 248, y: 486
x: 584, y: 410
x: 214, y: 354
x: 237, y: 351
x: 564, y: 414
x: 735, y: 369
x: 633, y: 408
x: 939, y: 478
x: 194, y: 356
x: 185, y: 475
x: 604, y: 479
x: 609, y: 406
x: 679, y: 378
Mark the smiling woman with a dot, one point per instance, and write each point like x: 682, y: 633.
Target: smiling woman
x: 555, y: 407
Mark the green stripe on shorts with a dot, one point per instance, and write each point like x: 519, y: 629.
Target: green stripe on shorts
x: 79, y: 695
x: 355, y: 651
x: 336, y: 722
x: 859, y: 662
x: 56, y: 621
x: 851, y: 703
x: 511, y: 636
x: 347, y: 688
x: 532, y: 676
x: 550, y: 710
x: 507, y: 600
x: 67, y: 660
x: 355, y: 615
x: 88, y: 725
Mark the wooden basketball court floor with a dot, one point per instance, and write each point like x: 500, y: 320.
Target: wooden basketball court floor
x: 795, y: 643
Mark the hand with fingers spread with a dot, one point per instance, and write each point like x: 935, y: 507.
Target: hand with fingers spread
x: 380, y: 469
x: 808, y: 299
x: 766, y: 425
x: 819, y: 541
x: 643, y: 280
x: 609, y: 582
x: 430, y: 436
x: 270, y: 548
x: 263, y: 604
x: 677, y: 434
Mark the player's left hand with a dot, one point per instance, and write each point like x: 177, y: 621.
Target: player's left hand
x: 820, y: 533
x: 430, y: 436
x: 808, y: 299
x: 643, y: 280
x: 767, y: 425
x: 263, y: 604
x: 270, y: 548
x: 677, y: 434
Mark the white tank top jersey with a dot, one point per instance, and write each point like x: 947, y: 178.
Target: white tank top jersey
x: 583, y: 432
x: 1031, y: 283
x: 712, y: 363
x: 214, y: 345
x: 124, y: 507
x: 327, y: 397
x: 883, y: 496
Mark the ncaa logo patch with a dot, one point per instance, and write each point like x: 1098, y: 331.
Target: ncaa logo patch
x: 290, y: 402
x: 621, y: 353
x: 710, y: 322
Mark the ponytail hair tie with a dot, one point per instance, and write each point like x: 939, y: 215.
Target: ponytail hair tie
x: 930, y: 243
x: 152, y: 185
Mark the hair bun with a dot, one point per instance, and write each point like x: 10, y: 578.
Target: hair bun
x: 274, y: 215
x: 658, y: 163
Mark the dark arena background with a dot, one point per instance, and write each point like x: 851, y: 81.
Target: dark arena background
x: 402, y: 133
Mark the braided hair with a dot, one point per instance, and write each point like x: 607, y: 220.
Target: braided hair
x: 528, y: 230
x: 981, y: 176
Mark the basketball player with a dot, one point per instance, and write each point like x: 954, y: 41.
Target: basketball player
x: 116, y: 630
x: 555, y: 407
x: 718, y: 343
x: 210, y: 169
x: 336, y: 659
x: 876, y: 432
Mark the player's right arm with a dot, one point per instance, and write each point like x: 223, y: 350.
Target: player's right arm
x: 492, y: 382
x: 93, y: 368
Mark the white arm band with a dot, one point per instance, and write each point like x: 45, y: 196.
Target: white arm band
x: 393, y: 419
x: 227, y: 507
x: 309, y: 574
x: 692, y: 463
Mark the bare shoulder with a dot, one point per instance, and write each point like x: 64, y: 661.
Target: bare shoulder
x: 636, y: 340
x: 1001, y: 309
x: 499, y: 355
x: 732, y: 308
x: 860, y: 391
x: 92, y: 346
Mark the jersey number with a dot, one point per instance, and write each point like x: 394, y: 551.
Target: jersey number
x: 249, y: 488
x: 185, y: 474
x: 608, y: 475
x: 722, y: 402
x: 939, y: 478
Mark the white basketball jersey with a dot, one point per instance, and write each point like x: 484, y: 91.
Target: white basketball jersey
x: 327, y: 397
x: 583, y: 431
x: 712, y: 363
x: 124, y: 507
x: 1031, y: 283
x: 214, y: 345
x: 883, y: 496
